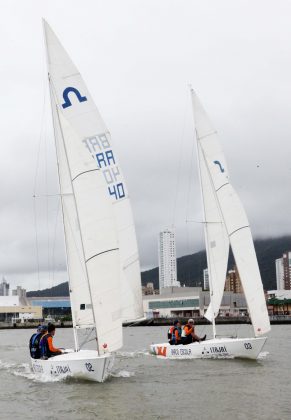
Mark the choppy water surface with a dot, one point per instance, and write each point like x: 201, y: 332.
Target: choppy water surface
x: 145, y: 387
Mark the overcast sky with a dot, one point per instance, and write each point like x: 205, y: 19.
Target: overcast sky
x: 137, y: 58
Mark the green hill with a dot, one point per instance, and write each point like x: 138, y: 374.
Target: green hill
x: 190, y: 267
x: 61, y: 289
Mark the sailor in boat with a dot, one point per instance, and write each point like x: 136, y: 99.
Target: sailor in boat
x: 170, y: 332
x: 34, y: 341
x: 188, y: 333
x: 46, y: 344
x: 176, y: 332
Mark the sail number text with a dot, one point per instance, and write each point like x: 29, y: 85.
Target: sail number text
x: 100, y: 148
x: 248, y: 346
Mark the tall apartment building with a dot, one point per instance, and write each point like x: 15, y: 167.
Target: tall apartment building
x: 279, y: 274
x: 205, y: 279
x: 4, y: 288
x: 232, y: 282
x: 287, y: 270
x: 167, y: 259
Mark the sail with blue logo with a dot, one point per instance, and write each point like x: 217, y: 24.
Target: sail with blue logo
x: 216, y: 240
x: 101, y: 245
x: 228, y: 211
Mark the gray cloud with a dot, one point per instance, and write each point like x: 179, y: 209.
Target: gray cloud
x: 137, y: 58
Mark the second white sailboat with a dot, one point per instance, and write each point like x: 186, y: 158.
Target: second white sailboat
x: 225, y: 225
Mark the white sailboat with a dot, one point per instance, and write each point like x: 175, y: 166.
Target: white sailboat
x: 101, y: 247
x: 225, y: 225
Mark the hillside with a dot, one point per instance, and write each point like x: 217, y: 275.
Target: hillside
x: 61, y: 289
x: 190, y: 267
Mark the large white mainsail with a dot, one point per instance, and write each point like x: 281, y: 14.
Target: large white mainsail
x: 234, y: 218
x: 75, y: 103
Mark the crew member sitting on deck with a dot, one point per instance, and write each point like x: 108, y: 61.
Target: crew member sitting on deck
x: 176, y: 333
x: 188, y: 333
x: 34, y: 341
x: 46, y: 344
x: 170, y: 332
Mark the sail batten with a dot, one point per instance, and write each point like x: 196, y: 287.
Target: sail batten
x: 102, y: 252
x: 84, y: 173
x: 219, y: 194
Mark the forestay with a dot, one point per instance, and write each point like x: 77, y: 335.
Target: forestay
x: 234, y: 218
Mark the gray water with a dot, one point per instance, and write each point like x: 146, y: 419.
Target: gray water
x: 145, y: 387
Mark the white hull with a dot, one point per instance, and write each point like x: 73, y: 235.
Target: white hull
x: 84, y: 364
x: 247, y: 348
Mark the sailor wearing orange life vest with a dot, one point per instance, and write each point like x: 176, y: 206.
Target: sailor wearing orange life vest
x: 188, y: 333
x: 46, y: 344
x: 174, y: 333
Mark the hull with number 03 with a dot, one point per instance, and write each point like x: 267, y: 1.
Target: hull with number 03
x: 246, y: 348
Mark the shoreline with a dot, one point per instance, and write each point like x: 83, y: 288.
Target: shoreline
x: 159, y: 322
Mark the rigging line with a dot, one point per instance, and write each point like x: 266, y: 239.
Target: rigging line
x: 46, y: 202
x: 188, y: 199
x: 54, y: 243
x: 37, y: 164
x: 36, y: 243
x: 86, y: 339
x: 182, y: 137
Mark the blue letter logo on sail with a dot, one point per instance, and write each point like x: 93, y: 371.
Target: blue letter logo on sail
x: 66, y: 92
x: 219, y: 164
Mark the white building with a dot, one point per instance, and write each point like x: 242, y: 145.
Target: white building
x: 186, y: 302
x: 167, y: 259
x: 279, y: 294
x: 11, y: 309
x: 173, y: 302
x: 279, y: 274
x: 205, y: 279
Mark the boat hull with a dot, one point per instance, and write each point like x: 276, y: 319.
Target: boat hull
x: 246, y: 348
x: 84, y: 364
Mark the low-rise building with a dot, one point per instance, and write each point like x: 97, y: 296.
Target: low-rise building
x: 54, y: 306
x: 190, y: 302
x: 12, y: 310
